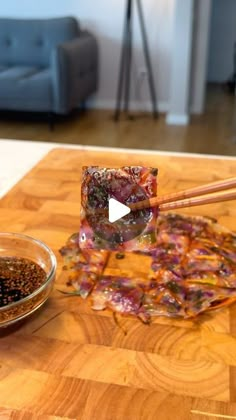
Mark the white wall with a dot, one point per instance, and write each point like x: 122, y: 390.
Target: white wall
x: 181, y: 63
x: 105, y: 19
x: 200, y: 51
x: 222, y: 38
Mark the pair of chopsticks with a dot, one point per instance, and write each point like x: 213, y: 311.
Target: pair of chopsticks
x: 191, y: 197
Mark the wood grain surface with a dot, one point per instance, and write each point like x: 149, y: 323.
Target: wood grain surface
x: 69, y: 362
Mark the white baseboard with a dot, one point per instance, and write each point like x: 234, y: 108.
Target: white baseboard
x: 133, y: 106
x: 177, y: 119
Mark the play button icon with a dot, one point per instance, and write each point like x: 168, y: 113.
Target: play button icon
x: 116, y: 210
x: 107, y: 221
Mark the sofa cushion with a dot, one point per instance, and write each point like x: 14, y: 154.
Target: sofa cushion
x: 25, y: 88
x: 30, y: 41
x: 2, y: 67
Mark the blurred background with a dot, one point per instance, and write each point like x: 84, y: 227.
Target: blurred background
x: 193, y: 58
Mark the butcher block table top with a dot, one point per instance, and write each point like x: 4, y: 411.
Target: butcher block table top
x: 69, y: 362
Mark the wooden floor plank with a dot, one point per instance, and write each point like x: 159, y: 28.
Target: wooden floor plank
x: 213, y: 132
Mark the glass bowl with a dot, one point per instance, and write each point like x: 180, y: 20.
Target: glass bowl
x: 18, y: 245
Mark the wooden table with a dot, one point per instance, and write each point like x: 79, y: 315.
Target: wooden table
x: 68, y: 362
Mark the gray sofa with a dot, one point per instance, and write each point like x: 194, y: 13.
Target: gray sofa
x: 46, y: 65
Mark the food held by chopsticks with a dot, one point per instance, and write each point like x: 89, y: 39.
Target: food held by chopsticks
x: 128, y: 184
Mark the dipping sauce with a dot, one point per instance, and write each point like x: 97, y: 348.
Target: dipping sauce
x: 19, y: 277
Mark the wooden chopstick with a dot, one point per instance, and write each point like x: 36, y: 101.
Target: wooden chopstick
x: 189, y: 193
x: 197, y: 201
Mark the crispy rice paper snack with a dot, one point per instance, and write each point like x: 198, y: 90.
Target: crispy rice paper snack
x: 135, y: 231
x: 84, y: 266
x: 192, y: 270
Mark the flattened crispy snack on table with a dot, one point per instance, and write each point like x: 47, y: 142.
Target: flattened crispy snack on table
x: 192, y: 270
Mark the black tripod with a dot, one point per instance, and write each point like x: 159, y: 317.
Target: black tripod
x: 126, y: 60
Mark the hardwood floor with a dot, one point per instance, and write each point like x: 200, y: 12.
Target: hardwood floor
x: 213, y: 133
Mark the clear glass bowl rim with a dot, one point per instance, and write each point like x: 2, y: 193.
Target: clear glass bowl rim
x: 49, y: 276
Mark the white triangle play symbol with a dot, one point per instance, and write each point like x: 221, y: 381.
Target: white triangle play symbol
x: 116, y: 210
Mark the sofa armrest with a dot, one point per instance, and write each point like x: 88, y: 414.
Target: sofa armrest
x: 75, y: 72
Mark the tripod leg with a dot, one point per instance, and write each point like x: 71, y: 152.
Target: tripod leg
x: 122, y: 65
x: 128, y: 55
x: 147, y: 58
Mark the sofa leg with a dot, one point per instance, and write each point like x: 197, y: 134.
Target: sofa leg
x: 51, y: 121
